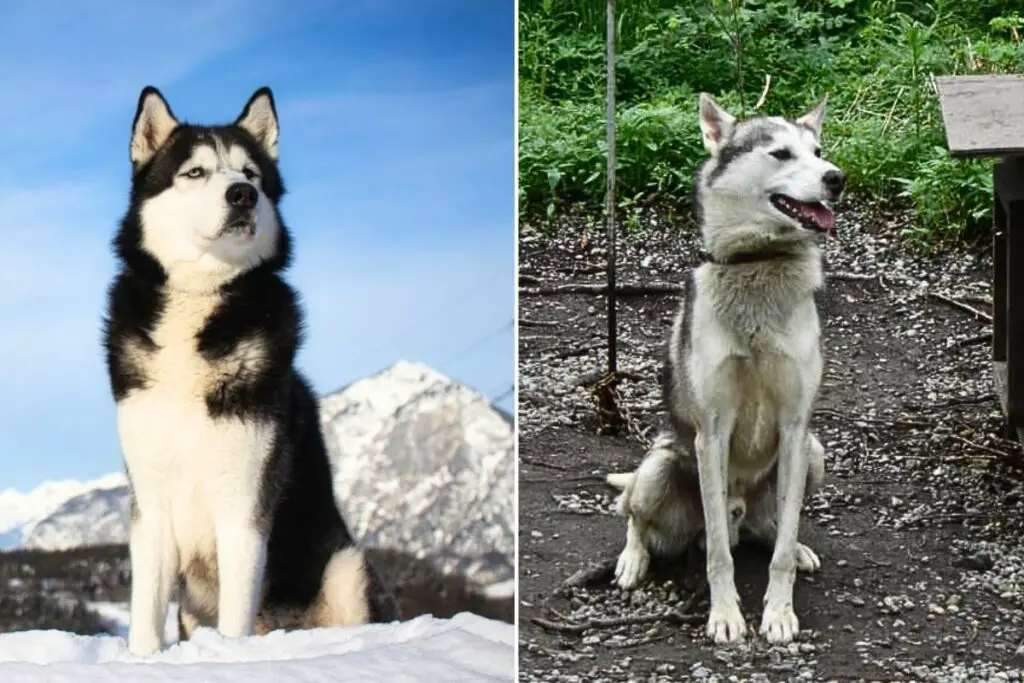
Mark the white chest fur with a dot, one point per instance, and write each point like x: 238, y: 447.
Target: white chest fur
x: 760, y: 378
x: 182, y: 461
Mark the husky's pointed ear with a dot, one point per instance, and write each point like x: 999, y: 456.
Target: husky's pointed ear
x: 715, y: 123
x: 813, y: 119
x: 259, y: 118
x: 154, y: 123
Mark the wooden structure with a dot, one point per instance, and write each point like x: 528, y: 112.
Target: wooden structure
x: 984, y: 117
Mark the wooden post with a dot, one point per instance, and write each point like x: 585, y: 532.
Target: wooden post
x: 998, y: 278
x: 610, y: 192
x: 1008, y: 184
x: 610, y: 414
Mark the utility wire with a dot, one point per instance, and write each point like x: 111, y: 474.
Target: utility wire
x: 477, y: 344
x: 503, y: 395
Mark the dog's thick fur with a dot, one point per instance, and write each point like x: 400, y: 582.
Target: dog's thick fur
x: 232, y: 496
x: 743, y: 369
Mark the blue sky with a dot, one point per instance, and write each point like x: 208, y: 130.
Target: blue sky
x: 397, y: 121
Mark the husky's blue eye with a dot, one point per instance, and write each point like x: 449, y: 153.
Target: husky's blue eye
x: 195, y: 172
x: 782, y: 154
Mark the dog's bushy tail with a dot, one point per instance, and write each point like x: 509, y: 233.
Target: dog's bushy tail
x: 620, y: 480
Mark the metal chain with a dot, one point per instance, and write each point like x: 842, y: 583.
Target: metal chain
x: 632, y: 424
x: 609, y: 383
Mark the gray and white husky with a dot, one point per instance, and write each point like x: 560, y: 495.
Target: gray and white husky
x: 232, y: 499
x: 743, y: 369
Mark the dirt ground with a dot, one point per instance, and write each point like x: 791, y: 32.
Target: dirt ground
x: 918, y: 527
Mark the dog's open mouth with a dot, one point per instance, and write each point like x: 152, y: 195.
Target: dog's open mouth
x: 813, y: 216
x: 239, y: 228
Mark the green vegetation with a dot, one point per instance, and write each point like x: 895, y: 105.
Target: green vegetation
x: 875, y: 59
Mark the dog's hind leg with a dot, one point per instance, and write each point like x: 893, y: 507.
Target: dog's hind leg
x: 635, y: 559
x: 661, y: 502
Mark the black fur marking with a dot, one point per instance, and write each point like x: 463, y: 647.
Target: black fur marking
x: 297, y: 491
x: 739, y: 143
x: 257, y: 306
x: 133, y: 310
x: 698, y: 206
x: 183, y: 633
x: 681, y: 427
x: 382, y: 603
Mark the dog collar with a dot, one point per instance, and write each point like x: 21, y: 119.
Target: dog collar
x: 743, y: 257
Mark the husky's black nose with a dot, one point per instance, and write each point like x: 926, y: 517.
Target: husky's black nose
x: 242, y: 195
x: 835, y: 181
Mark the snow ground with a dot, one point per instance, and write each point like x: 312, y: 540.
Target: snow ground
x: 115, y: 615
x: 464, y: 648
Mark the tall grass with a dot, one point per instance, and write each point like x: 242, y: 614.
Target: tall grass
x: 875, y: 58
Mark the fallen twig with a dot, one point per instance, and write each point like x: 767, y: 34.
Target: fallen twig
x: 673, y: 617
x: 764, y: 92
x: 592, y: 574
x: 523, y: 460
x: 577, y: 351
x: 598, y: 290
x: 524, y: 322
x: 825, y: 412
x: 980, y: 447
x: 961, y: 305
x: 643, y: 289
x: 596, y: 478
x: 841, y: 275
x: 589, y: 379
x: 975, y: 339
x: 877, y: 563
x: 978, y: 299
x: 588, y: 269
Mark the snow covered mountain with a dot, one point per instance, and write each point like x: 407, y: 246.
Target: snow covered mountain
x: 21, y: 512
x: 423, y: 464
x: 95, y: 517
x: 426, y: 465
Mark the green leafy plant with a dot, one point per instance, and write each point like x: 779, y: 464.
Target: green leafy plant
x: 875, y: 58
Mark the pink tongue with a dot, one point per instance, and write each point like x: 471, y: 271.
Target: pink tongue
x: 822, y: 217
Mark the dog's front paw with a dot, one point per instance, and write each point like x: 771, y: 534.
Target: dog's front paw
x: 806, y: 559
x: 142, y: 644
x: 779, y: 624
x: 632, y: 566
x: 726, y: 623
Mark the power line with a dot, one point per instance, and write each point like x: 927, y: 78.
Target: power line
x: 503, y: 395
x: 478, y: 343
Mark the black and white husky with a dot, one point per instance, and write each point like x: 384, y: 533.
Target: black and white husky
x: 232, y: 497
x: 743, y: 369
